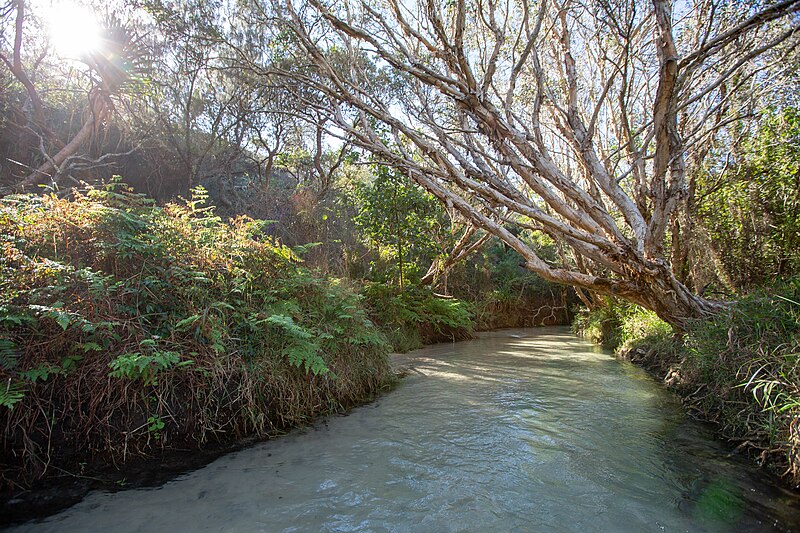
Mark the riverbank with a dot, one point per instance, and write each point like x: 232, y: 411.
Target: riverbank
x: 62, y: 489
x: 138, y: 342
x: 543, y: 418
x: 135, y: 338
x: 739, y: 371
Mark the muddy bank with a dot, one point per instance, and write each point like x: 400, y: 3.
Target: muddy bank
x: 62, y: 489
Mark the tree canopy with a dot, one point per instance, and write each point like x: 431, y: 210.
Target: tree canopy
x: 590, y: 123
x: 575, y: 119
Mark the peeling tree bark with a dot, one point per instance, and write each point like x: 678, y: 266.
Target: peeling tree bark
x: 505, y: 122
x: 462, y: 249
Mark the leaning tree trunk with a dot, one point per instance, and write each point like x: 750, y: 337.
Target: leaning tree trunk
x: 569, y: 119
x: 660, y: 291
x: 100, y: 110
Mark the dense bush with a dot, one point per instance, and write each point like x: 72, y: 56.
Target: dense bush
x: 126, y: 327
x: 750, y: 213
x: 407, y: 226
x: 507, y: 295
x: 412, y: 316
x: 602, y: 325
x: 749, y: 363
x: 618, y: 324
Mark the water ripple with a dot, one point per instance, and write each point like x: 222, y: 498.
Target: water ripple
x: 538, y: 431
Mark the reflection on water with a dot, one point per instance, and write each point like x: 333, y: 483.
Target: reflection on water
x: 525, y: 430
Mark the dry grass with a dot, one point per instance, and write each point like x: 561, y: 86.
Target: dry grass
x: 126, y: 329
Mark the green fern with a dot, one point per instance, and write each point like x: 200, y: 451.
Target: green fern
x: 301, y: 350
x: 146, y: 367
x: 11, y: 393
x: 8, y: 354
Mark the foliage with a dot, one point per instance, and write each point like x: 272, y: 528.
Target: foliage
x: 401, y: 218
x: 752, y: 209
x: 145, y: 367
x: 602, y: 325
x: 641, y: 325
x: 749, y: 361
x: 412, y: 316
x: 505, y: 293
x: 170, y: 323
x: 740, y: 369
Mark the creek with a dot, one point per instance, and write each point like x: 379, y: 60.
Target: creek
x: 518, y: 430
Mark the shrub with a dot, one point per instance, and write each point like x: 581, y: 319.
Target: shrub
x: 749, y: 360
x: 117, y: 316
x: 602, y: 325
x: 412, y: 316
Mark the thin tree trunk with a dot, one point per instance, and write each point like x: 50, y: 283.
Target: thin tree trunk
x: 100, y: 111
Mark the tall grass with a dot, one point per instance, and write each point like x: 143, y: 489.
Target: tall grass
x: 748, y: 362
x: 125, y: 328
x: 739, y: 369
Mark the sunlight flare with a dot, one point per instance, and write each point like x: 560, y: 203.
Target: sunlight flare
x: 73, y: 29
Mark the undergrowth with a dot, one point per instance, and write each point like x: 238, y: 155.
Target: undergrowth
x: 739, y: 369
x: 126, y: 327
x: 413, y: 316
x: 749, y: 362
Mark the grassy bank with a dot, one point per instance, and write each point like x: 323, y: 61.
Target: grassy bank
x: 740, y: 370
x: 126, y: 329
x: 414, y: 316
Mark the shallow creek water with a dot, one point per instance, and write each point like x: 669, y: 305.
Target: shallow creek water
x: 519, y: 430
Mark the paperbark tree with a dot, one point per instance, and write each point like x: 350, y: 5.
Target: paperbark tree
x: 569, y: 118
x: 108, y: 70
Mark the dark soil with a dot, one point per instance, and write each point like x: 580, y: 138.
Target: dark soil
x: 63, y: 489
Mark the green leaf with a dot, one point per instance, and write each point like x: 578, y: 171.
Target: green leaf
x: 70, y: 362
x: 42, y: 372
x: 183, y: 325
x: 91, y: 346
x: 62, y: 319
x: 11, y: 393
x: 8, y: 354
